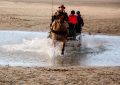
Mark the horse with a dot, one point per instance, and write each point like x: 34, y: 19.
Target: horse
x: 59, y: 31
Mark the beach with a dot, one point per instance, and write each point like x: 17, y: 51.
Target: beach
x: 36, y: 16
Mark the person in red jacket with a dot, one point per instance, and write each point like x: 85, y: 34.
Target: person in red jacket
x: 72, y: 20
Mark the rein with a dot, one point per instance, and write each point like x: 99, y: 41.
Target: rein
x: 59, y: 32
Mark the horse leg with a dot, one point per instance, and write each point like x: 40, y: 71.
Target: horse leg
x: 54, y: 43
x: 49, y: 36
x: 63, y: 48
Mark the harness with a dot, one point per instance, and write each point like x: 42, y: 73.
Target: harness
x: 59, y: 32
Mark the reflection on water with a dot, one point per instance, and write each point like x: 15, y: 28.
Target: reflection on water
x: 69, y: 60
x: 18, y: 48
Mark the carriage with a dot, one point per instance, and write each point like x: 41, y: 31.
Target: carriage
x: 61, y: 30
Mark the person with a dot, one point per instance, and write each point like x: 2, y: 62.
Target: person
x: 62, y: 12
x: 80, y: 23
x: 54, y: 16
x: 72, y: 20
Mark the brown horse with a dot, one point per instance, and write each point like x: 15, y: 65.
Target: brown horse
x: 59, y: 32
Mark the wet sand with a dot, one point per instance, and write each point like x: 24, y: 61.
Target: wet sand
x: 99, y: 17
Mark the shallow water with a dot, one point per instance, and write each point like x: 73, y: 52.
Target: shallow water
x: 20, y: 48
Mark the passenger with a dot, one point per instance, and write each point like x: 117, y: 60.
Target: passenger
x: 80, y: 23
x: 72, y: 20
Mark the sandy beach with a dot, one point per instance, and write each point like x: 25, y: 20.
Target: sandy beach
x: 100, y: 17
x: 60, y: 76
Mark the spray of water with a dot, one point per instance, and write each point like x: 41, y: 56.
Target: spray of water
x: 35, y: 49
x: 36, y: 45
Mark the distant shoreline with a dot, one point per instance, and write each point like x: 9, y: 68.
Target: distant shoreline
x: 98, y: 3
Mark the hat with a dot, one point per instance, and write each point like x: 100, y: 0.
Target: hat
x: 62, y: 6
x: 78, y: 12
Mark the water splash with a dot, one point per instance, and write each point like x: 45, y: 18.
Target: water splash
x: 35, y: 45
x: 35, y: 49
